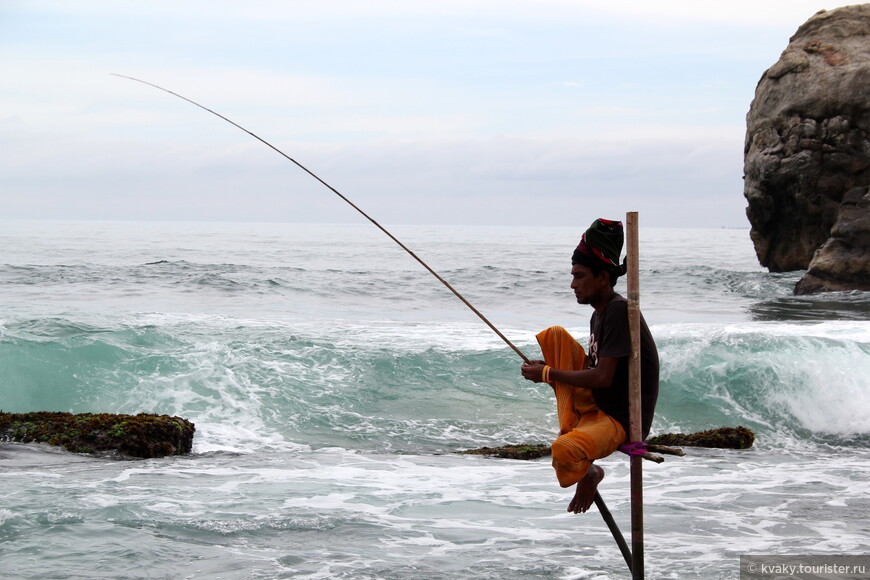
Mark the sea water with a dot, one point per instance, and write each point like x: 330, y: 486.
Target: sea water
x: 331, y: 379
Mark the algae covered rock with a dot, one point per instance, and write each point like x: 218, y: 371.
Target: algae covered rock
x: 521, y: 451
x: 141, y: 435
x: 721, y: 438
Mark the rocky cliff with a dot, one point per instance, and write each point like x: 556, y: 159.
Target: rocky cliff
x: 807, y: 154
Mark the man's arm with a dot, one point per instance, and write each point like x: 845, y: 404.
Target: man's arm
x: 600, y: 377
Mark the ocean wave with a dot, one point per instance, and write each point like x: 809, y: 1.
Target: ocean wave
x: 418, y: 388
x: 806, y: 380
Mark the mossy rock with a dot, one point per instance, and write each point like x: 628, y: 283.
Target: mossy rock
x: 522, y: 451
x: 141, y: 435
x: 721, y: 438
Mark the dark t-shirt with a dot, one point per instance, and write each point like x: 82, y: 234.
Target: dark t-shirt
x: 610, y: 338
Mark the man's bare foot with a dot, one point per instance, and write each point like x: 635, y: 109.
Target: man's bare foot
x: 586, y: 488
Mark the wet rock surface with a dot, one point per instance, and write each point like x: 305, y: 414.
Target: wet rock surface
x: 720, y: 438
x: 807, y: 154
x: 142, y: 435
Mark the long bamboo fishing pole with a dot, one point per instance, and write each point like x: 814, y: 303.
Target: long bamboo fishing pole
x: 350, y: 203
x: 605, y: 513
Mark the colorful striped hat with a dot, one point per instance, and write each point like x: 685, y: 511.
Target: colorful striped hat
x: 601, y: 245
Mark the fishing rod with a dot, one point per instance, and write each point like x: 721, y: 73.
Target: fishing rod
x: 350, y: 203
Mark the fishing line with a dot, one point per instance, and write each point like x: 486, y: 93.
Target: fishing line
x: 350, y: 203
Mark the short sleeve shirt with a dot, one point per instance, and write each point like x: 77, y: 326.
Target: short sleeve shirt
x: 610, y: 338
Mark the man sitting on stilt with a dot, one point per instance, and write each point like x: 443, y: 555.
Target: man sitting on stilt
x: 592, y: 391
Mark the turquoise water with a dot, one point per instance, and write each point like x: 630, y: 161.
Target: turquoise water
x: 330, y: 377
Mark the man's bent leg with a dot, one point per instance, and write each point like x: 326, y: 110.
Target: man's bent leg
x: 562, y: 352
x: 572, y: 453
x: 598, y: 435
x: 573, y: 466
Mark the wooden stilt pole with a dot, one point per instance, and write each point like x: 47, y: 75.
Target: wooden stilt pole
x: 635, y: 427
x: 614, y: 529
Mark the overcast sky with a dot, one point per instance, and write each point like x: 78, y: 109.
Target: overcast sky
x: 421, y: 112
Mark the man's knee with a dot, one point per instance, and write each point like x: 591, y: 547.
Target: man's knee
x: 569, y: 461
x: 567, y: 450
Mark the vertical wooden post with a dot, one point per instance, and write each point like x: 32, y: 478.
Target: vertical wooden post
x: 634, y: 400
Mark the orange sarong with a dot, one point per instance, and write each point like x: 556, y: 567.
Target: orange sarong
x: 586, y: 432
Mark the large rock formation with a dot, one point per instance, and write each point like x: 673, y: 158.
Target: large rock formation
x: 842, y: 262
x: 807, y: 154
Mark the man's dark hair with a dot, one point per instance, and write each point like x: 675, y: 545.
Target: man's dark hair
x: 613, y: 272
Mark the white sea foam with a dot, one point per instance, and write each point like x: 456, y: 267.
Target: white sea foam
x: 6, y: 515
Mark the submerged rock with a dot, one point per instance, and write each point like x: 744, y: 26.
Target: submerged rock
x: 521, y: 451
x: 139, y: 435
x: 722, y: 438
x: 807, y: 154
